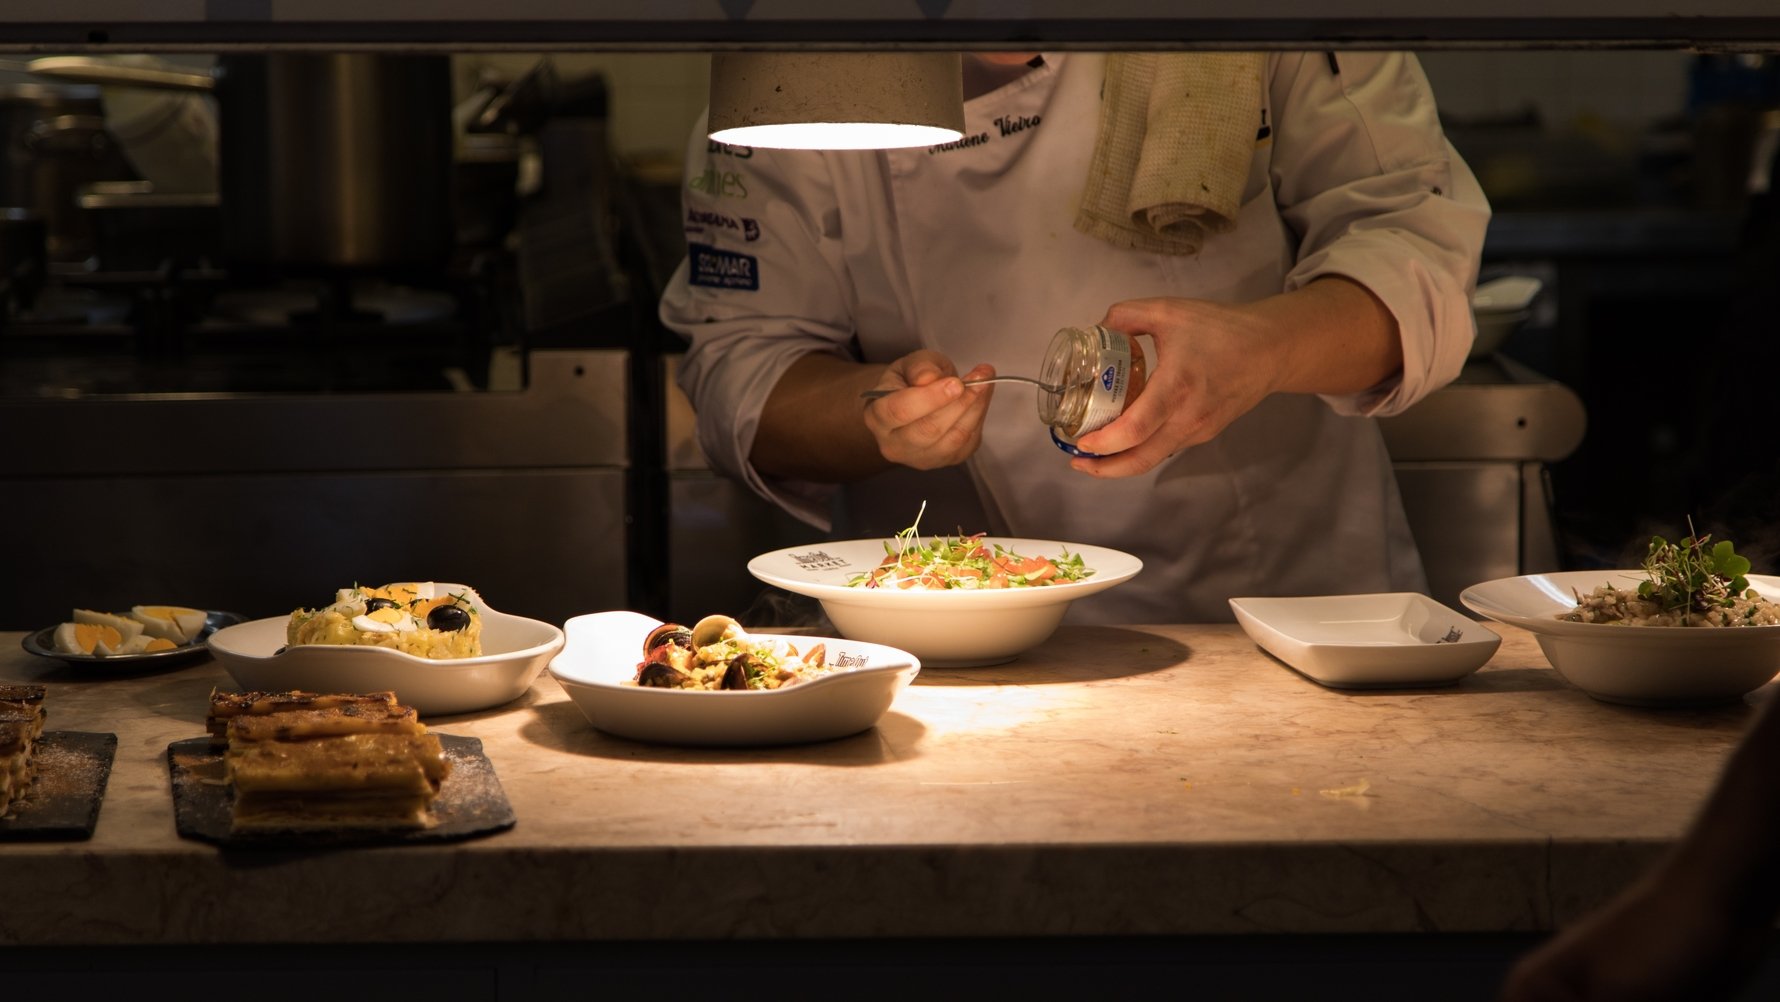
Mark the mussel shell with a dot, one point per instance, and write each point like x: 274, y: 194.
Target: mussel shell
x: 736, y: 675
x: 712, y: 629
x: 667, y: 633
x: 659, y: 675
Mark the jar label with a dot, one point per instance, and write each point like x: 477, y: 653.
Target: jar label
x: 1112, y: 377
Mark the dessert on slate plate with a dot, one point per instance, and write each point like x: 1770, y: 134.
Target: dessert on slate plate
x: 300, y: 761
x: 21, y: 723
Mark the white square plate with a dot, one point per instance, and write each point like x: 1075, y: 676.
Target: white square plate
x: 1394, y: 640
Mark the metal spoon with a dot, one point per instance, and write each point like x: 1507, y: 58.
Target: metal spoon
x: 1047, y: 387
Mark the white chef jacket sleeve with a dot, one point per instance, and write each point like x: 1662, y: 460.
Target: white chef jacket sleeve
x: 1364, y: 175
x: 763, y: 283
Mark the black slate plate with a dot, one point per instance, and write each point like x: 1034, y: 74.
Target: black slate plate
x: 70, y: 769
x: 470, y: 804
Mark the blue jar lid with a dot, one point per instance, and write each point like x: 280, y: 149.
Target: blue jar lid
x: 1070, y: 447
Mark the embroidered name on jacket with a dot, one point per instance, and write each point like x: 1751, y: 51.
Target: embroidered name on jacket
x: 1010, y: 124
x: 959, y: 144
x: 721, y: 269
x: 1005, y: 126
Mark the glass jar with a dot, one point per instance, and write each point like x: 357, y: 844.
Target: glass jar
x: 1100, y: 371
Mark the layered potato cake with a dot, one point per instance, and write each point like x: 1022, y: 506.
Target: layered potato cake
x: 304, y: 761
x: 21, y: 723
x: 414, y: 617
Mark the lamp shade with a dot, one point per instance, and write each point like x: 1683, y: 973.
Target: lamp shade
x: 836, y: 100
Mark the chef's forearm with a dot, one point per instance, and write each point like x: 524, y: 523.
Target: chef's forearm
x: 1335, y: 337
x: 813, y: 427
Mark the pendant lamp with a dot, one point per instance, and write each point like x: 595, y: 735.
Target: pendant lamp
x: 836, y: 100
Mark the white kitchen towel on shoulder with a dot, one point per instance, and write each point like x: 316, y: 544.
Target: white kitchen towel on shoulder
x: 1177, y: 134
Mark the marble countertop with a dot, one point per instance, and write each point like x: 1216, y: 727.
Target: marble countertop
x: 1152, y: 780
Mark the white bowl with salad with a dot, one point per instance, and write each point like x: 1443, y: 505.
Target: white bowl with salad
x: 952, y: 601
x: 1690, y: 627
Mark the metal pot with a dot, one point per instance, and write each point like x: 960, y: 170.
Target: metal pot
x: 55, y: 143
x: 328, y: 162
x: 336, y: 161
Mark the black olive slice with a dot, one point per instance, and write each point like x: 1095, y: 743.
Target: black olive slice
x: 448, y: 617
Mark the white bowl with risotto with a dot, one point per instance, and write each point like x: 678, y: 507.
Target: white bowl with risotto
x: 598, y: 665
x: 944, y: 627
x: 1638, y: 665
x: 514, y: 652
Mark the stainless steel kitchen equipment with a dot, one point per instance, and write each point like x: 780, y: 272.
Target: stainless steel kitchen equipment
x: 328, y: 161
x: 56, y: 143
x: 336, y: 160
x: 252, y: 438
x: 261, y: 501
x: 1471, y: 462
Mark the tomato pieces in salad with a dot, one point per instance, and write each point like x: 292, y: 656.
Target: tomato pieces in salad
x: 966, y: 562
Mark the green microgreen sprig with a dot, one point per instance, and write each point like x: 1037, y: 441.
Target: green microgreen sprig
x: 1688, y: 576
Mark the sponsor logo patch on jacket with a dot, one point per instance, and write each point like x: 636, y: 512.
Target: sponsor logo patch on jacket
x: 719, y: 183
x: 699, y: 220
x: 721, y: 269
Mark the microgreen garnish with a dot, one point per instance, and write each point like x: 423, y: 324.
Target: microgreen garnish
x: 1687, y: 576
x: 964, y: 562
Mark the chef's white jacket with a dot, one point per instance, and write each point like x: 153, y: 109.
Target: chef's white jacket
x: 969, y: 249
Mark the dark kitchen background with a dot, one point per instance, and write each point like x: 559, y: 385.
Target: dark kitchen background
x: 251, y: 343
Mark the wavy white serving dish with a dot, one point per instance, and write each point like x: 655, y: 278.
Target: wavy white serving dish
x: 514, y: 652
x: 603, y: 649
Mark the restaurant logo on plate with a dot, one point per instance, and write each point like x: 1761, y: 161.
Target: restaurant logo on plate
x: 816, y: 560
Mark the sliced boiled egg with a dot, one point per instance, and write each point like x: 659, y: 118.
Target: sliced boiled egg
x: 88, y: 638
x: 407, y: 592
x: 124, y: 625
x: 141, y: 643
x: 171, y: 622
x: 385, y: 620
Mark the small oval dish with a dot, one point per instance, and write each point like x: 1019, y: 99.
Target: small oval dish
x: 1634, y: 665
x: 514, y: 652
x: 43, y: 643
x: 1384, y: 641
x: 600, y: 657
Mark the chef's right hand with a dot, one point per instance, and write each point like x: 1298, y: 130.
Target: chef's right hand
x: 932, y: 419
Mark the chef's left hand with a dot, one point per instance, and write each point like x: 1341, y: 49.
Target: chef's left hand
x: 1213, y: 364
x: 1216, y: 361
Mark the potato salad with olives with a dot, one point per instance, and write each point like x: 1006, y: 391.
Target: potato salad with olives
x: 418, y: 618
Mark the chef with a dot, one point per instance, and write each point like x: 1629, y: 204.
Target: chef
x: 1334, y: 290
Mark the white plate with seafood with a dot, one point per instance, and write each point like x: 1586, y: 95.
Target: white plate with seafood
x: 1394, y: 640
x: 1636, y: 665
x: 598, y: 666
x: 514, y: 652
x: 944, y: 627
